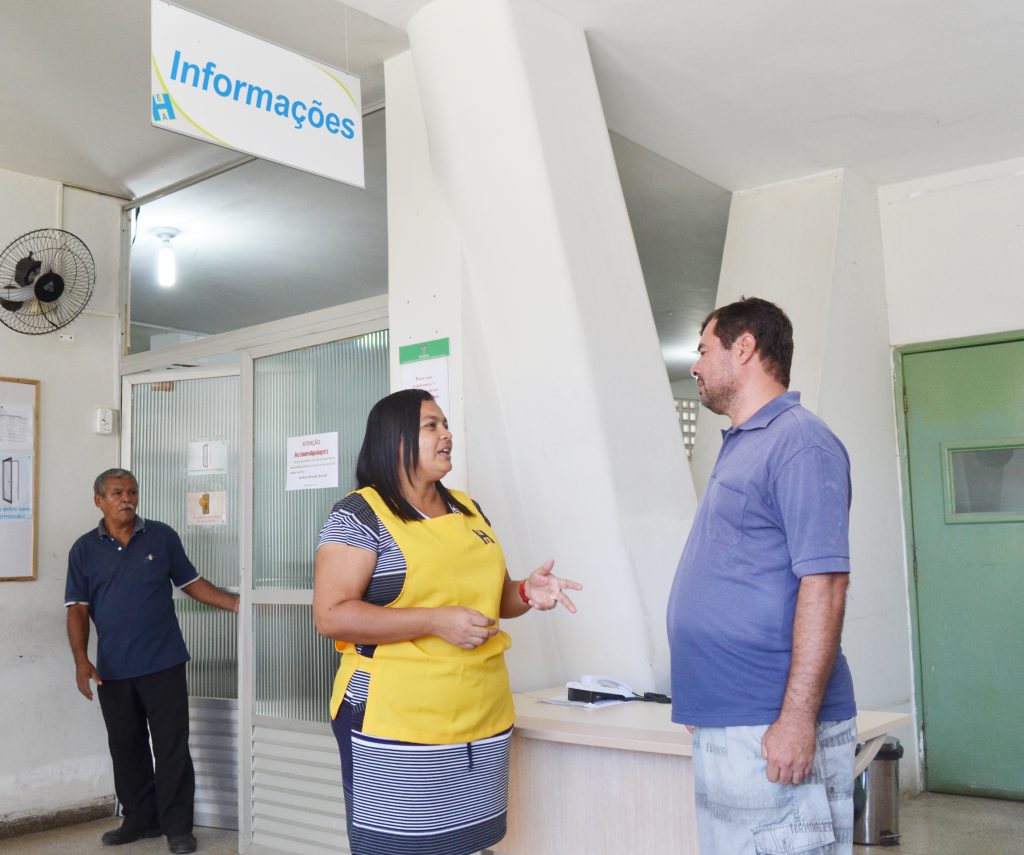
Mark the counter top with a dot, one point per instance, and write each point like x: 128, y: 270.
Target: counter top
x: 637, y: 726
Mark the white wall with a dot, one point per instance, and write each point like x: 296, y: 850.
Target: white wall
x: 856, y: 399
x: 780, y: 245
x: 425, y: 274
x: 954, y: 253
x: 52, y: 740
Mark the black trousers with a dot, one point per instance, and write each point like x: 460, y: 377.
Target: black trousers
x: 134, y: 710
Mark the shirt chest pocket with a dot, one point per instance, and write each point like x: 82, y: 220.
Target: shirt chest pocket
x: 727, y: 507
x: 153, y: 569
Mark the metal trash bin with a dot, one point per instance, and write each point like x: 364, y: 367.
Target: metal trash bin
x: 876, y: 798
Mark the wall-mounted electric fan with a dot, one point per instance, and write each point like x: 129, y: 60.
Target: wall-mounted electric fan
x: 46, y: 279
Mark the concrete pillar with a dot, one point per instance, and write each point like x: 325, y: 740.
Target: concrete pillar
x: 573, y: 449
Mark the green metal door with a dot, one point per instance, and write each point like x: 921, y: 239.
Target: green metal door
x: 965, y: 432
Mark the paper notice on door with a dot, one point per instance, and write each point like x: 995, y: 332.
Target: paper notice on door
x: 208, y: 457
x: 312, y: 462
x: 207, y: 508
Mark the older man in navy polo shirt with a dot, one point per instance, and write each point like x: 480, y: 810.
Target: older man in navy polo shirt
x: 120, y: 574
x: 756, y: 609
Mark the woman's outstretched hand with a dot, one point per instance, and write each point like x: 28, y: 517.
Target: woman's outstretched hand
x: 545, y: 590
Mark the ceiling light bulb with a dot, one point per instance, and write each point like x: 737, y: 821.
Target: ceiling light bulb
x: 166, y: 267
x: 166, y: 264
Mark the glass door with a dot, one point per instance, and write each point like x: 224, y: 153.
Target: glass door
x: 320, y: 394
x: 182, y: 445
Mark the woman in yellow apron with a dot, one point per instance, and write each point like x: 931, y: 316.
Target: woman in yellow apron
x: 411, y: 582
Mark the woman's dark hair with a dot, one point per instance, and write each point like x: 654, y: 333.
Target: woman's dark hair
x: 767, y: 323
x: 393, y: 429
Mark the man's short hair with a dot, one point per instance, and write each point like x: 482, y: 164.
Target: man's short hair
x: 99, y: 486
x: 767, y: 323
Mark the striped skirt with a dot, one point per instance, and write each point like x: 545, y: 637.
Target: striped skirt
x: 403, y: 798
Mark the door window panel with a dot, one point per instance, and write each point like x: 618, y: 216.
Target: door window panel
x: 321, y: 389
x: 984, y: 482
x: 283, y: 636
x: 314, y: 390
x: 171, y: 420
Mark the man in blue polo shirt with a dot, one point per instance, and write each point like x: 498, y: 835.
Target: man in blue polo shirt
x: 756, y: 609
x: 120, y: 574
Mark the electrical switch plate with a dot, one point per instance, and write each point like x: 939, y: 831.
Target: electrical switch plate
x: 104, y: 420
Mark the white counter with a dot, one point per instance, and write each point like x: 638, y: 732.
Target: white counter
x: 613, y: 779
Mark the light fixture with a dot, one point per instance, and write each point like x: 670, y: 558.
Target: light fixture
x: 166, y: 266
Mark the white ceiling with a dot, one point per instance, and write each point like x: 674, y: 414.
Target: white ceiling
x: 743, y: 93
x: 750, y: 92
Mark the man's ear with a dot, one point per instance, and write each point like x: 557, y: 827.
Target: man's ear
x: 745, y: 347
x: 96, y: 500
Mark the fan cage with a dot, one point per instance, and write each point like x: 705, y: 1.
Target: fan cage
x: 62, y: 253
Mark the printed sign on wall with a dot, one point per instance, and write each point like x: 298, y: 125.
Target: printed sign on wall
x: 425, y: 366
x: 19, y: 469
x: 217, y: 84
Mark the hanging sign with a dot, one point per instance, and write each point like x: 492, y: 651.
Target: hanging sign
x: 218, y: 84
x: 425, y: 366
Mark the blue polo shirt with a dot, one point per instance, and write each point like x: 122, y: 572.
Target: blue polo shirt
x: 128, y: 591
x: 776, y: 509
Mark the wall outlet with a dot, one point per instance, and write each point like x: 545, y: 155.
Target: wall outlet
x: 66, y: 337
x: 104, y: 421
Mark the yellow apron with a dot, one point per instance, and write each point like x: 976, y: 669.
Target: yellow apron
x: 427, y: 690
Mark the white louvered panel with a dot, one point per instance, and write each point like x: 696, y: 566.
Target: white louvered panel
x: 283, y: 767
x: 315, y: 820
x: 296, y: 754
x: 210, y: 796
x: 213, y: 770
x: 311, y: 736
x: 316, y: 840
x: 297, y: 801
x: 268, y: 840
x: 213, y: 741
x: 319, y: 737
x: 210, y: 724
x: 275, y: 788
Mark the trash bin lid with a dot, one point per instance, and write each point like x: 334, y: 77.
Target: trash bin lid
x: 890, y: 750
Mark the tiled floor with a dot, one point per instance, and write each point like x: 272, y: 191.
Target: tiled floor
x: 930, y: 825
x: 84, y: 839
x: 933, y: 824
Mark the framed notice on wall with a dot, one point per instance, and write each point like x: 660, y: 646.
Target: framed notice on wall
x: 19, y: 478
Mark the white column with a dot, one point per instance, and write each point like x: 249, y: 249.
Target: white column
x: 780, y: 245
x: 573, y: 446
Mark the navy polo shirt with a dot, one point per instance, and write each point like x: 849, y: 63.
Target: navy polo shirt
x: 776, y: 509
x: 128, y: 591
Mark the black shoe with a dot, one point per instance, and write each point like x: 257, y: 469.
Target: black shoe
x: 180, y: 843
x: 125, y: 834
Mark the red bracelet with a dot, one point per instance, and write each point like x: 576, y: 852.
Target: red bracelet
x: 522, y: 592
